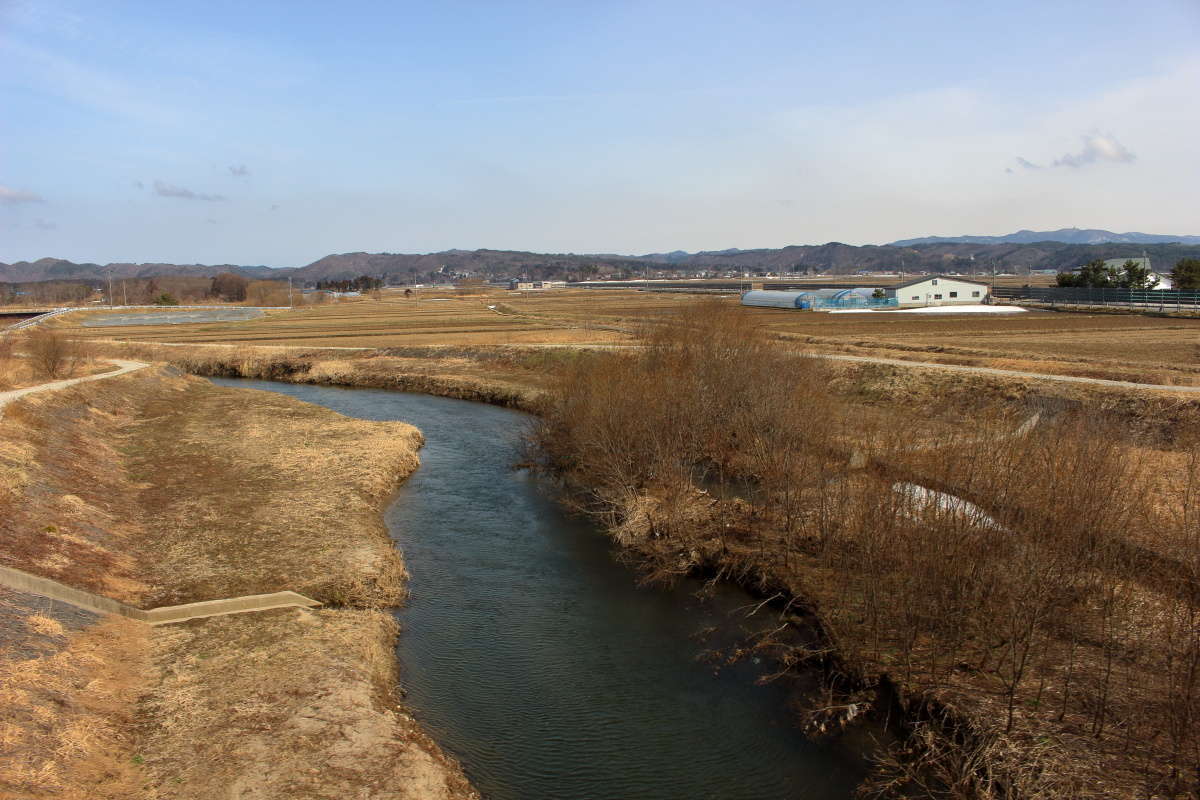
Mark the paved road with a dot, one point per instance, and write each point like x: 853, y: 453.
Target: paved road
x: 125, y: 366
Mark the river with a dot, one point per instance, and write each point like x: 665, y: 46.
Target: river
x: 534, y: 656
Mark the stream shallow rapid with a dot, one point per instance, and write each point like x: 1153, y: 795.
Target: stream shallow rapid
x: 531, y: 654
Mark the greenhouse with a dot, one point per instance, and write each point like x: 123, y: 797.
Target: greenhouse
x: 817, y: 299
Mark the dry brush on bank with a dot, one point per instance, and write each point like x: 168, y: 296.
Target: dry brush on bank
x: 42, y: 354
x: 1031, y: 599
x: 156, y: 485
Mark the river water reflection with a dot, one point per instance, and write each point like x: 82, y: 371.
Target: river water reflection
x: 534, y: 657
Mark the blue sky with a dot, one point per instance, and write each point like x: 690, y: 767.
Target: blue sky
x: 276, y: 133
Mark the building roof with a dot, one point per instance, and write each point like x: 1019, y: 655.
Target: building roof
x: 915, y: 281
x: 1117, y: 263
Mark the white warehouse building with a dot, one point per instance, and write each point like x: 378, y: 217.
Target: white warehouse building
x: 938, y: 291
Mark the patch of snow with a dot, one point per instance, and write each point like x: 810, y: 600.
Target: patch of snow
x: 925, y: 499
x: 964, y: 309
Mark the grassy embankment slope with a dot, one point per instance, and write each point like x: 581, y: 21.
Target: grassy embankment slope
x: 155, y: 488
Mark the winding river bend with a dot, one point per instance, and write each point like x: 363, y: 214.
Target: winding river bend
x: 535, y: 658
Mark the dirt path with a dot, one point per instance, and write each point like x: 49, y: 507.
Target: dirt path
x: 1011, y: 373
x: 124, y: 367
x: 899, y: 362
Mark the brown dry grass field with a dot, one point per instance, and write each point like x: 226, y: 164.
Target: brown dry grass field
x: 1117, y: 346
x: 186, y: 428
x: 156, y: 487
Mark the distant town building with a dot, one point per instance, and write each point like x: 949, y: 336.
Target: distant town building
x: 937, y: 291
x: 1118, y: 263
x: 525, y: 286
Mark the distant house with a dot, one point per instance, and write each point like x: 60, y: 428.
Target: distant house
x: 937, y: 291
x: 524, y: 286
x: 1164, y: 281
x: 1118, y: 263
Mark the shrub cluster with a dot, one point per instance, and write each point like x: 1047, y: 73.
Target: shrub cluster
x: 1037, y: 585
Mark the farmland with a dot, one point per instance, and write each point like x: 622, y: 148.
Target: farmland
x: 1119, y: 346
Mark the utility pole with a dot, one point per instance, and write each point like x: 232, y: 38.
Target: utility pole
x: 124, y: 293
x: 110, y: 294
x: 291, y: 302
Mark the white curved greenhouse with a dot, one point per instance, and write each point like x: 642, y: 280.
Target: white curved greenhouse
x: 775, y: 299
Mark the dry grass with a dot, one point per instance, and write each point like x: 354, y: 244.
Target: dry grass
x: 391, y: 322
x: 1053, y: 645
x: 286, y: 704
x: 18, y: 370
x: 66, y: 715
x: 64, y: 498
x: 509, y: 376
x: 242, y: 492
x: 155, y: 488
x: 1123, y: 347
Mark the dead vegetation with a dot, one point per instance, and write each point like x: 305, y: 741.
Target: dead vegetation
x: 507, y: 376
x: 43, y: 355
x: 1026, y: 599
x: 53, y: 354
x: 286, y: 704
x: 156, y: 487
x: 1133, y: 348
x: 66, y: 714
x: 250, y: 492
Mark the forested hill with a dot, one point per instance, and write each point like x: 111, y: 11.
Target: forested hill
x: 834, y: 257
x: 59, y: 269
x: 1064, y: 235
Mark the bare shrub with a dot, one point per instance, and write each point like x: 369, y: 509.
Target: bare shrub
x: 1026, y: 578
x: 53, y: 354
x: 7, y: 359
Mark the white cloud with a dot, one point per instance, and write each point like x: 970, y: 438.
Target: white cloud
x: 167, y: 190
x: 1096, y: 147
x: 13, y: 197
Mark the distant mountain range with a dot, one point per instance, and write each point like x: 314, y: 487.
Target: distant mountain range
x: 1066, y: 235
x: 59, y: 269
x: 1016, y: 253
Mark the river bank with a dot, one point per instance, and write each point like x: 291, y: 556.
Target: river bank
x: 950, y: 712
x: 154, y: 488
x: 539, y: 659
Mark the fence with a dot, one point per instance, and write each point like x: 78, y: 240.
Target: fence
x: 1161, y: 300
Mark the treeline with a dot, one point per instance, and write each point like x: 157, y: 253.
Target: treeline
x: 162, y: 290
x: 45, y: 293
x: 363, y: 283
x: 1034, y: 595
x: 1131, y: 275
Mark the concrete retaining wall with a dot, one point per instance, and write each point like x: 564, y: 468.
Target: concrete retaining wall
x: 34, y: 584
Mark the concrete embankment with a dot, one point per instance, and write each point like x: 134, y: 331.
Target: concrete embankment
x: 157, y: 489
x: 21, y: 581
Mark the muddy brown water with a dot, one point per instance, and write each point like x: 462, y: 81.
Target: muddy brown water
x: 534, y: 656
